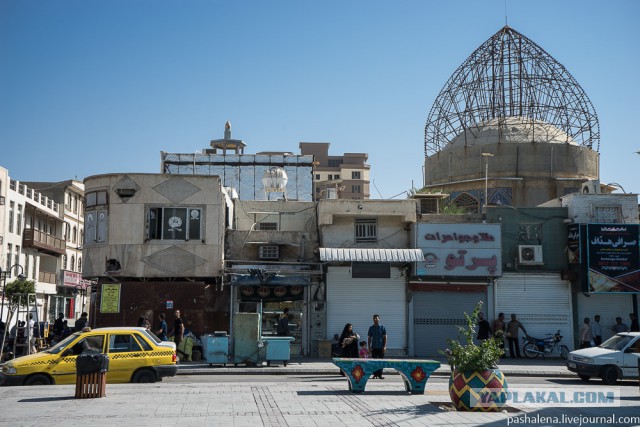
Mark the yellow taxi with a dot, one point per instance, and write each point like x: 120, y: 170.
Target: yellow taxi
x: 135, y: 355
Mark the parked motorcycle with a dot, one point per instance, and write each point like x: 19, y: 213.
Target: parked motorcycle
x: 533, y: 347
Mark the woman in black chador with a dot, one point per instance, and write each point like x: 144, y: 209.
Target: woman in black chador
x: 349, y: 341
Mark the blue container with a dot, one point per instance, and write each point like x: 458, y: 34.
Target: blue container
x: 216, y: 348
x: 277, y: 349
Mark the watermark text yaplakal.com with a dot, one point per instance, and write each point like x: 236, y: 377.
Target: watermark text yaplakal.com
x: 540, y: 397
x: 572, y: 420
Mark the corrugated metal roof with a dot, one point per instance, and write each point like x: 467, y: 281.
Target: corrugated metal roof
x: 371, y: 255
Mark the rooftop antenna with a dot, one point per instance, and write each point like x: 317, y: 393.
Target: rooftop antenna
x: 505, y: 13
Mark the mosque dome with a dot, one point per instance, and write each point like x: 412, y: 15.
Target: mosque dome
x: 509, y: 90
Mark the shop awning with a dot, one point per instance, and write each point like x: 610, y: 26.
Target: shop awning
x: 371, y: 255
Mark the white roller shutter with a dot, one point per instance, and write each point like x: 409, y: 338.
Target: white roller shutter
x: 355, y: 301
x: 608, y: 306
x: 436, y: 317
x: 542, y: 303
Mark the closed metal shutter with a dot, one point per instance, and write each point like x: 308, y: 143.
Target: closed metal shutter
x: 355, y: 301
x: 542, y: 303
x: 437, y: 316
x: 608, y: 306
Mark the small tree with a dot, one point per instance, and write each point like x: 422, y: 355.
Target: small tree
x: 464, y: 355
x: 16, y: 287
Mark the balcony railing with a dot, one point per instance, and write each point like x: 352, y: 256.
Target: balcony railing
x: 43, y: 242
x: 46, y: 277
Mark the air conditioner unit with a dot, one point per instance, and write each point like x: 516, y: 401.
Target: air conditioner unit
x: 269, y: 252
x: 530, y: 254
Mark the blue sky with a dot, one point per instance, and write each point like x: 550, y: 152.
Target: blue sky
x: 91, y: 87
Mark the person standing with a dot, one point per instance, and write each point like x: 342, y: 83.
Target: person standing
x: 635, y: 327
x: 596, y: 330
x: 619, y: 326
x: 178, y: 328
x: 585, y: 334
x: 283, y: 323
x: 499, y: 330
x: 377, y: 341
x: 512, y: 336
x: 349, y: 342
x: 484, y: 330
x: 81, y: 322
x: 162, y: 331
x: 31, y: 339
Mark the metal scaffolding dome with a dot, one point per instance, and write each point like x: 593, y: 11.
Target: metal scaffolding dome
x: 511, y: 76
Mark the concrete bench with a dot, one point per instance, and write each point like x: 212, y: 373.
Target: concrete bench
x: 414, y: 373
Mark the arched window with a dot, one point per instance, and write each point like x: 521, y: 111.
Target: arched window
x: 467, y: 202
x: 64, y: 262
x: 74, y: 236
x: 73, y: 262
x: 80, y: 264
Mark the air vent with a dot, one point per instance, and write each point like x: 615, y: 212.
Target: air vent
x: 530, y: 254
x: 269, y: 252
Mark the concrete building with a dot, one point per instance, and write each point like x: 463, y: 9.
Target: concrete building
x: 271, y: 263
x: 513, y: 123
x: 249, y: 175
x: 72, y: 291
x: 154, y: 243
x: 364, y: 244
x: 338, y: 177
x: 32, y: 240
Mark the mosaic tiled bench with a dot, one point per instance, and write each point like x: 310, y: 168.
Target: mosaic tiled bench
x: 414, y: 373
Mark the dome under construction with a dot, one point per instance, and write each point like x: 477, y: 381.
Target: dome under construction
x: 512, y: 100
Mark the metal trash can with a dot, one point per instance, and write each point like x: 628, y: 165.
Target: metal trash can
x: 277, y: 348
x: 216, y: 348
x: 91, y: 375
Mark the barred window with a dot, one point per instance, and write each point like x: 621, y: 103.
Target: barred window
x: 366, y: 230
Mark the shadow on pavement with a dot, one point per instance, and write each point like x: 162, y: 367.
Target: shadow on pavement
x: 46, y: 399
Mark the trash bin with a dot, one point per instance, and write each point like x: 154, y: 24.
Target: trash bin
x: 277, y: 348
x: 91, y: 373
x: 216, y: 348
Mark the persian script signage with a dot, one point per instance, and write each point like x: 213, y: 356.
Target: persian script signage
x: 459, y: 250
x: 614, y: 257
x: 110, y: 298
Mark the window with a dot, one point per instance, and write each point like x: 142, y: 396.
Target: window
x: 95, y: 223
x: 336, y: 176
x: 64, y: 262
x: 80, y: 264
x: 12, y: 206
x: 123, y: 344
x: 355, y: 175
x: 93, y: 344
x: 366, y: 230
x: 317, y: 177
x: 606, y: 214
x: 95, y: 198
x: 334, y: 163
x: 17, y: 260
x: 74, y: 235
x: 9, y: 253
x: 355, y: 189
x: 27, y: 257
x: 19, y: 220
x: 371, y: 270
x: 34, y: 267
x: 73, y: 263
x: 267, y: 226
x: 174, y: 223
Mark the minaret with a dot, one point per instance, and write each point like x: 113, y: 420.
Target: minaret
x: 227, y: 130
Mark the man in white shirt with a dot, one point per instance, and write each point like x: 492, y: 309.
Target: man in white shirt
x: 596, y: 330
x: 30, y: 337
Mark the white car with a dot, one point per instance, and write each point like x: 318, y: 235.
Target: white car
x: 614, y: 359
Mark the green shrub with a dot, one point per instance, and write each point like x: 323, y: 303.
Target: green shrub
x: 16, y: 287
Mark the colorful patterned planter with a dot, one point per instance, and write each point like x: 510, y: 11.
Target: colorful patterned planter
x: 482, y: 391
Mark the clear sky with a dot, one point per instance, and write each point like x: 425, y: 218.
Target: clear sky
x: 90, y: 87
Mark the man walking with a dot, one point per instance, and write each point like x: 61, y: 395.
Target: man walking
x: 178, y: 328
x: 499, y: 330
x: 377, y: 341
x: 162, y: 331
x: 635, y: 327
x: 596, y: 330
x: 585, y: 334
x: 512, y: 336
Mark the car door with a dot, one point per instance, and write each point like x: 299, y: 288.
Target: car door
x: 125, y: 356
x: 64, y: 371
x: 630, y: 360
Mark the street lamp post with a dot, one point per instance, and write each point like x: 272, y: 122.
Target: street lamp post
x: 486, y: 180
x: 4, y: 275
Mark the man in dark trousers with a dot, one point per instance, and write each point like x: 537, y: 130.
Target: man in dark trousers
x: 283, y: 324
x: 484, y: 329
x: 377, y: 340
x: 512, y: 336
x: 178, y: 328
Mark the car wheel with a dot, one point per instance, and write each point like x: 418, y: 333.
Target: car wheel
x: 38, y: 379
x: 530, y: 350
x: 609, y: 375
x: 144, y: 376
x: 584, y: 377
x: 564, y: 352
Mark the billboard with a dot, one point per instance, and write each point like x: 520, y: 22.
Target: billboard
x: 613, y: 253
x: 459, y: 250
